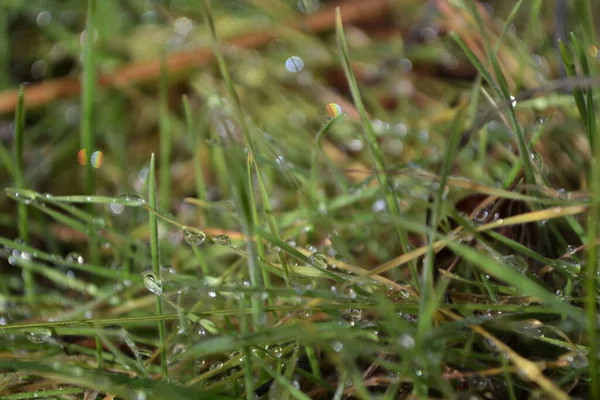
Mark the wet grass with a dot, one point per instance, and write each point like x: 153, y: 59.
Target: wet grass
x: 391, y: 208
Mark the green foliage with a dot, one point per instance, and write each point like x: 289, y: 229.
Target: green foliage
x: 330, y: 220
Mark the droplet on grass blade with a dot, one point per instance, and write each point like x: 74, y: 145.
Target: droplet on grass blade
x: 132, y: 200
x: 223, y: 240
x: 21, y: 195
x: 194, y: 237
x: 39, y: 336
x: 319, y: 259
x: 74, y: 258
x: 153, y: 284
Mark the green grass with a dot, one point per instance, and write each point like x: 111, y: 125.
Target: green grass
x: 431, y: 235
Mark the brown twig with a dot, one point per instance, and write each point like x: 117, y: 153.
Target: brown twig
x: 183, y: 62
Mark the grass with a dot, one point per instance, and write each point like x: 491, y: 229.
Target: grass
x: 389, y: 208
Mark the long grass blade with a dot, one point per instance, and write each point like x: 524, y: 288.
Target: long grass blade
x: 155, y: 251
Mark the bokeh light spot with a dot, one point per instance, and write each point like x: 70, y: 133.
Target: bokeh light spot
x: 333, y: 110
x: 97, y: 158
x: 82, y: 157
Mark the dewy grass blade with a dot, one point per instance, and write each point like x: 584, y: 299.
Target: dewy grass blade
x: 239, y: 181
x: 500, y: 86
x: 155, y: 251
x: 28, y: 279
x: 593, y: 220
x: 260, y: 246
x: 371, y: 140
x: 427, y: 299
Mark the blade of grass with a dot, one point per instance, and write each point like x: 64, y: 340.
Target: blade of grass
x: 583, y: 10
x: 198, y: 175
x: 165, y: 136
x: 240, y: 184
x: 88, y: 96
x: 427, y: 302
x: 508, y: 101
x: 268, y: 210
x: 507, y: 24
x: 155, y: 251
x: 370, y: 138
x: 506, y: 274
x: 593, y: 219
x: 28, y: 279
x: 260, y: 245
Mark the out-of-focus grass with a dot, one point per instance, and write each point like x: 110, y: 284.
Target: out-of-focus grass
x: 295, y: 180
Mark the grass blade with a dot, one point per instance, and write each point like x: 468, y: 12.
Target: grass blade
x: 155, y: 251
x: 88, y: 96
x: 370, y: 138
x: 427, y: 302
x: 28, y: 279
x: 165, y: 136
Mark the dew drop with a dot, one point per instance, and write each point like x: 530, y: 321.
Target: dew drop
x: 145, y: 353
x: 407, y: 341
x: 39, y: 336
x: 276, y: 350
x: 215, y: 365
x: 318, y: 259
x: 194, y: 237
x: 74, y: 258
x: 337, y: 346
x: 153, y: 284
x: 223, y: 240
x: 133, y: 200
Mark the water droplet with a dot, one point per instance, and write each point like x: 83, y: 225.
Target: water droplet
x: 477, y: 383
x: 139, y: 395
x: 145, y: 353
x: 183, y: 26
x: 153, y: 284
x: 579, y: 361
x: 337, y: 346
x: 39, y: 336
x: 44, y: 18
x: 352, y: 315
x: 132, y: 200
x: 482, y: 215
x: 305, y: 313
x: 117, y: 208
x: 318, y: 259
x: 24, y: 196
x: 407, y: 341
x: 275, y: 350
x: 308, y: 6
x: 193, y: 237
x: 74, y: 258
x: 223, y: 240
x: 215, y: 365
